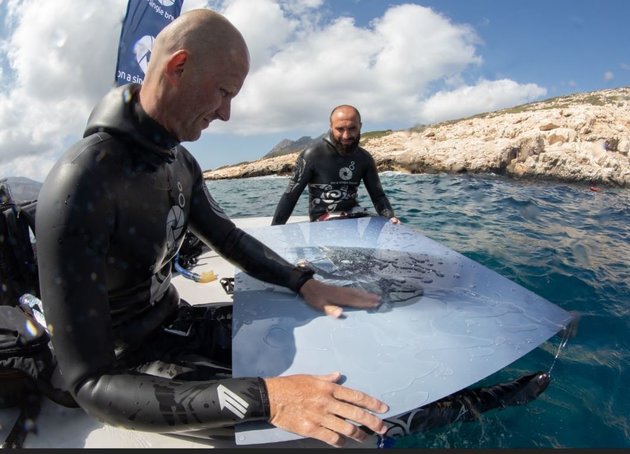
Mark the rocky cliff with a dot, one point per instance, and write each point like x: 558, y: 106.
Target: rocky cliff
x: 579, y: 138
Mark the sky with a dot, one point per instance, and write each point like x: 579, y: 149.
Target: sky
x: 401, y: 63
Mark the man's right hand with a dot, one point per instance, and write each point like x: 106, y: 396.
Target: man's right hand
x: 316, y: 406
x: 330, y: 299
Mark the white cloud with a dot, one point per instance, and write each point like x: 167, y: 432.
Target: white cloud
x: 62, y: 60
x: 608, y: 76
x: 386, y: 69
x: 485, y: 96
x: 264, y: 26
x: 58, y: 60
x: 32, y: 166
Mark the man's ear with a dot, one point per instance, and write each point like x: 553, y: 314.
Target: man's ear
x: 175, y: 66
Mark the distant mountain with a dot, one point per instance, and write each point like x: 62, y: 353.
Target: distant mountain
x: 287, y: 146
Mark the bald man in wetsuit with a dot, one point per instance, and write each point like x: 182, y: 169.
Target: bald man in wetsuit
x: 333, y: 170
x: 111, y: 216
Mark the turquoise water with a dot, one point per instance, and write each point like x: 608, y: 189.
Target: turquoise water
x: 567, y: 243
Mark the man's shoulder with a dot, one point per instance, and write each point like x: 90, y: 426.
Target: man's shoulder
x: 318, y: 148
x: 95, y: 158
x: 90, y: 147
x: 99, y: 147
x: 364, y: 154
x: 86, y: 168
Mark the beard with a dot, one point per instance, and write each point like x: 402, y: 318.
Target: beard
x: 345, y: 147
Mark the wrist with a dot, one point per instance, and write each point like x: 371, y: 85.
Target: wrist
x: 264, y: 397
x: 300, y: 274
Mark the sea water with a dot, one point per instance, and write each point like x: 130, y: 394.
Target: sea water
x: 569, y: 243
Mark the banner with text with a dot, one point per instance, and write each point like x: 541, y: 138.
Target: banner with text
x: 143, y: 21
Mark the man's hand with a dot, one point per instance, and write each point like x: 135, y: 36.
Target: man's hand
x: 394, y: 220
x: 315, y: 406
x: 329, y: 298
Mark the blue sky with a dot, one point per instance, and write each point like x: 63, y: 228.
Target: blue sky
x: 401, y: 63
x: 563, y: 45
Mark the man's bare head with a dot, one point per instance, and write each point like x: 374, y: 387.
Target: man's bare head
x: 204, y: 34
x: 345, y: 128
x: 198, y: 64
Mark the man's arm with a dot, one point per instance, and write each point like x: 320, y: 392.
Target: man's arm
x: 210, y: 223
x: 297, y: 183
x: 73, y: 225
x: 374, y: 188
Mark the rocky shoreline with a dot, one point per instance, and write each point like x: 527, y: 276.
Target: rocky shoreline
x: 579, y: 138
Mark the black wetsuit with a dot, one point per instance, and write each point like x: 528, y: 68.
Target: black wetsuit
x: 111, y: 215
x: 333, y: 180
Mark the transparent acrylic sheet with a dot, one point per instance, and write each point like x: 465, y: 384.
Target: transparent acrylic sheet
x: 445, y: 321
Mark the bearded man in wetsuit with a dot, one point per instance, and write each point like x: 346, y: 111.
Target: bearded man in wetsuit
x: 111, y: 216
x: 333, y: 169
